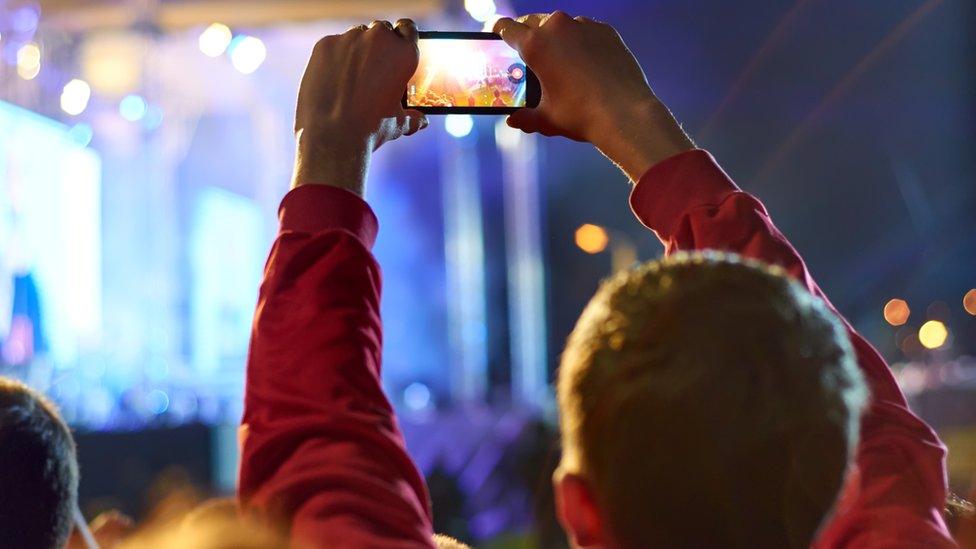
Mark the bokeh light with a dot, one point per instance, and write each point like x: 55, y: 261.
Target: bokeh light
x: 458, y: 125
x: 416, y: 396
x: 592, y: 239
x: 28, y: 61
x: 481, y: 10
x: 933, y: 334
x: 506, y: 137
x: 969, y: 302
x: 133, y: 108
x: 896, y: 312
x: 157, y: 401
x: 112, y: 62
x: 247, y: 53
x: 153, y: 118
x: 75, y: 97
x: 81, y: 134
x: 25, y: 19
x: 215, y: 39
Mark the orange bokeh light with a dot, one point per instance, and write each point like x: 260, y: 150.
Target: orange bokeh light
x: 969, y: 302
x: 896, y: 312
x: 592, y: 239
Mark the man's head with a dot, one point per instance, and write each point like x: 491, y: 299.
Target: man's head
x: 705, y: 401
x: 38, y: 470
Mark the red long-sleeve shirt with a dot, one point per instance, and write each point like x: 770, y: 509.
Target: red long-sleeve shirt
x: 322, y: 448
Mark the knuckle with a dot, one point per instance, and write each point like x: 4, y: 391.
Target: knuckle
x: 324, y: 43
x: 559, y: 18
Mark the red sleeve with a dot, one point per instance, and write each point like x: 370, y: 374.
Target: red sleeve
x: 322, y: 449
x: 896, y: 492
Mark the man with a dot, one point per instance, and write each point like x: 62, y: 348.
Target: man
x: 38, y: 471
x: 645, y: 366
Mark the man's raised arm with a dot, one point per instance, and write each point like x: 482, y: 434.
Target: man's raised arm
x: 322, y: 452
x: 896, y: 491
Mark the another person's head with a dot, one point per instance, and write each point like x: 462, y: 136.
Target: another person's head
x: 705, y: 401
x: 38, y: 470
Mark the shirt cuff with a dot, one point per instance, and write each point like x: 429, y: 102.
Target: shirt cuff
x: 317, y: 208
x: 676, y: 185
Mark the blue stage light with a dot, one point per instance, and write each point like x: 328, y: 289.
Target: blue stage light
x: 157, y: 401
x: 416, y: 396
x: 81, y: 134
x: 133, y: 107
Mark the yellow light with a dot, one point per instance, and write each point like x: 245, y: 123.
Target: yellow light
x: 933, y: 334
x: 75, y: 96
x: 215, y: 39
x: 969, y: 302
x: 28, y: 61
x: 592, y: 239
x: 112, y: 62
x: 896, y: 312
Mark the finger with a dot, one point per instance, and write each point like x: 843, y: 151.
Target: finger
x: 557, y: 17
x: 512, y: 32
x: 380, y: 22
x: 534, y: 20
x: 407, y: 29
x: 357, y: 28
x: 527, y: 120
x: 414, y: 121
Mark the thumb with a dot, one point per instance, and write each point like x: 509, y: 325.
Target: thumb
x: 527, y: 120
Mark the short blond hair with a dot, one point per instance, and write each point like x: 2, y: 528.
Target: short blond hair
x: 710, y: 389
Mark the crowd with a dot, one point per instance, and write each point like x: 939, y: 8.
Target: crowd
x: 713, y: 398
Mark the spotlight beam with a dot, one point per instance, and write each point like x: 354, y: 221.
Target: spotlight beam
x: 752, y: 66
x: 844, y: 86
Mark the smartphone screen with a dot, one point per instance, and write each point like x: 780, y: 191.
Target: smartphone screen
x: 469, y: 73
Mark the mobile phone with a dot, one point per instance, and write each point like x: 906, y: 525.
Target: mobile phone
x: 470, y: 73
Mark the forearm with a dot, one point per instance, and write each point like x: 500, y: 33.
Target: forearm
x: 322, y: 449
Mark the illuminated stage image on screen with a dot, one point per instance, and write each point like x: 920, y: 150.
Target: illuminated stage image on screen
x: 467, y: 73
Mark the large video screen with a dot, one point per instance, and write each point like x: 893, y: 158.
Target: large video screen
x: 50, y: 243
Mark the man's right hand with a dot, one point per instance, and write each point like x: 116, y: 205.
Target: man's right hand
x: 349, y: 102
x: 592, y: 90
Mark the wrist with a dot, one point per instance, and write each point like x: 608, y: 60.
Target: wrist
x: 332, y: 162
x: 640, y: 136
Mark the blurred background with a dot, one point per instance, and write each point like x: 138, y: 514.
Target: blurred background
x: 145, y: 145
